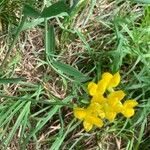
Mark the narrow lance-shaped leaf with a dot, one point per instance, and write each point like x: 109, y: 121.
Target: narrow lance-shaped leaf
x: 55, y: 9
x: 30, y: 11
x: 50, y: 41
x: 69, y: 70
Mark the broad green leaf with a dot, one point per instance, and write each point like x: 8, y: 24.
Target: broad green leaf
x: 55, y: 9
x: 69, y: 70
x: 31, y: 12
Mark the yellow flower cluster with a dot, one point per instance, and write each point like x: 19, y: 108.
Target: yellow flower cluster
x: 102, y: 107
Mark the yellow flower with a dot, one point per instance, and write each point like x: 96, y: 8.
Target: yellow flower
x: 97, y: 89
x: 110, y: 113
x: 113, y: 104
x: 98, y: 99
x: 116, y: 94
x: 96, y: 109
x: 128, y: 108
x: 104, y: 104
x: 108, y: 82
x: 79, y: 113
x: 114, y: 100
x: 112, y: 80
x: 92, y: 88
x: 111, y: 116
x: 88, y: 117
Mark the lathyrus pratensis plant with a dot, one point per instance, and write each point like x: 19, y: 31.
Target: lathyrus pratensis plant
x: 104, y: 107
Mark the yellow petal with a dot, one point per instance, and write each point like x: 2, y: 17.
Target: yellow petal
x: 98, y: 99
x: 98, y: 122
x: 94, y: 106
x: 87, y: 126
x: 107, y: 107
x: 101, y: 113
x: 111, y: 116
x: 128, y: 112
x: 94, y: 120
x: 96, y: 109
x: 114, y: 81
x: 130, y: 103
x: 112, y: 102
x: 107, y: 76
x: 118, y: 107
x: 101, y: 86
x: 92, y: 88
x: 117, y: 94
x: 79, y: 113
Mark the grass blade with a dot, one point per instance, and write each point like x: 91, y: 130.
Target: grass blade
x: 11, y: 80
x: 143, y: 1
x: 17, y: 124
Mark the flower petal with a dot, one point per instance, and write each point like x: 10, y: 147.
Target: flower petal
x: 117, y: 94
x: 87, y: 126
x: 101, y: 86
x: 107, y: 76
x: 92, y: 88
x: 114, y: 81
x: 128, y: 112
x: 94, y: 106
x: 112, y: 102
x: 101, y: 114
x: 79, y: 113
x: 96, y: 109
x: 98, y: 99
x: 98, y: 122
x: 130, y: 103
x: 111, y: 116
x: 94, y: 120
x: 118, y: 107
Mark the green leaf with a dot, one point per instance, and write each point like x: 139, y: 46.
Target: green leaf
x: 55, y: 9
x: 33, y: 23
x: 143, y: 1
x: 11, y: 80
x: 69, y: 70
x: 29, y: 11
x: 50, y: 42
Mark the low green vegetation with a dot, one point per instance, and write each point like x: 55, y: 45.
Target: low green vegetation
x: 50, y: 50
